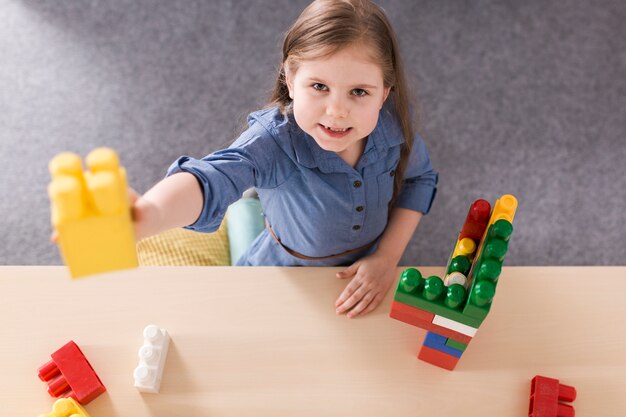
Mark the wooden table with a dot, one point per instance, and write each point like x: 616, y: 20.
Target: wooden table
x: 267, y: 342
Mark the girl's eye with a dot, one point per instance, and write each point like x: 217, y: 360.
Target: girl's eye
x: 359, y: 92
x: 319, y: 87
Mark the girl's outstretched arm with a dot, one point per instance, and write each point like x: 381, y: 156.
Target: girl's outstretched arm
x: 373, y: 275
x: 175, y: 201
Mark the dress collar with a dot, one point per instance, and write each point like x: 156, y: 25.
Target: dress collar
x: 385, y: 135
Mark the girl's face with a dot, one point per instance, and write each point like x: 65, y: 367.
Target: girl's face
x: 336, y: 99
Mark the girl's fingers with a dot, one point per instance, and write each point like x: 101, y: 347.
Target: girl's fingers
x: 132, y: 195
x: 350, y: 296
x: 348, y: 272
x: 370, y: 307
x: 361, y: 306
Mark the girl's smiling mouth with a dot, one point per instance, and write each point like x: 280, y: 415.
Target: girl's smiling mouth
x: 335, y: 132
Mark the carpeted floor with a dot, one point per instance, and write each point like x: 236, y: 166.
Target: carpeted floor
x: 526, y: 98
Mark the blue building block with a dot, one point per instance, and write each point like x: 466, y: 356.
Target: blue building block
x: 438, y: 342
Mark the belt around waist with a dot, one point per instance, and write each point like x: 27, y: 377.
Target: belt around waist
x: 317, y: 258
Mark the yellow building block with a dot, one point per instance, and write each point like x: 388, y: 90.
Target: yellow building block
x: 504, y: 208
x: 91, y: 213
x: 465, y: 247
x: 66, y: 407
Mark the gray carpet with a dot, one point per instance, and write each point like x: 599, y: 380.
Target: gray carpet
x: 526, y: 98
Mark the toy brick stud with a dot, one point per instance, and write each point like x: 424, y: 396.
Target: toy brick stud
x: 433, y: 288
x: 504, y: 209
x: 476, y: 220
x: 458, y: 269
x: 460, y: 264
x: 455, y: 295
x: 488, y: 270
x: 483, y: 294
x: 91, y: 213
x: 465, y: 247
x: 411, y: 279
x: 69, y: 374
x: 454, y: 278
x: 66, y: 407
x: 152, y: 355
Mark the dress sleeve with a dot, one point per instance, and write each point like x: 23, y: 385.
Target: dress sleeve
x: 225, y: 174
x: 420, y: 180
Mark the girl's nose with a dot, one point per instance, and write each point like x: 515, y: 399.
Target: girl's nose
x: 336, y: 107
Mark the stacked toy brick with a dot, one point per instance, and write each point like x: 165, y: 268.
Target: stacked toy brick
x: 91, y: 212
x: 452, y: 308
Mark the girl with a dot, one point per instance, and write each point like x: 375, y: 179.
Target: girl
x: 342, y: 178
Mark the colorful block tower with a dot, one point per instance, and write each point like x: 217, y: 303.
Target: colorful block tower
x: 452, y: 308
x: 91, y: 214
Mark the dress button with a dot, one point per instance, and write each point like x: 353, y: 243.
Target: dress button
x: 357, y: 184
x: 356, y: 227
x: 359, y: 209
x: 392, y: 173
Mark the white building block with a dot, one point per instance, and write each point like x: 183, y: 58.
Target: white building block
x: 152, y: 356
x: 454, y: 325
x: 454, y: 278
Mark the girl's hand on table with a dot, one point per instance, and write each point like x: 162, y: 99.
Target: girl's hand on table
x: 372, y: 276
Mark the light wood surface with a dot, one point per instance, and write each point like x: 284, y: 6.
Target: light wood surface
x: 267, y: 342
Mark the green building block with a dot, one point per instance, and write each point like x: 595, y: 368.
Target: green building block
x: 454, y: 302
x: 486, y: 270
x: 460, y: 264
x: 471, y: 306
x: 431, y: 295
x: 456, y: 345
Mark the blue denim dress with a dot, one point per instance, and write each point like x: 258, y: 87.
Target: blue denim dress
x: 316, y: 204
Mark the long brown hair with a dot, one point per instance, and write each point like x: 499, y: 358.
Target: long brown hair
x: 326, y: 26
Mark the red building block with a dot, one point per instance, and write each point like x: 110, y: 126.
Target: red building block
x: 69, y: 374
x: 476, y: 220
x: 424, y: 320
x: 546, y: 396
x: 438, y: 358
x: 409, y: 314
